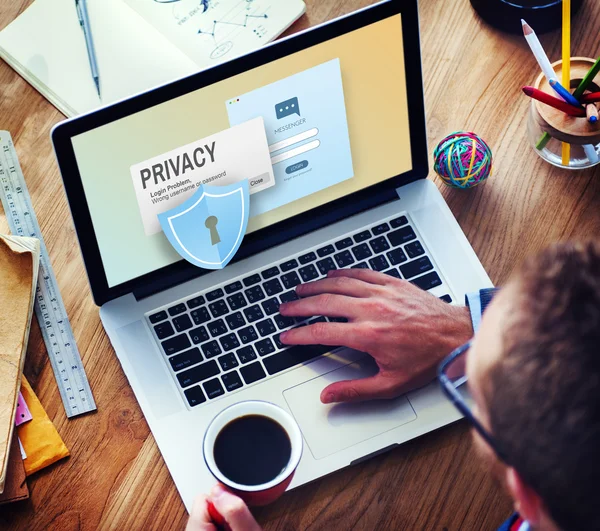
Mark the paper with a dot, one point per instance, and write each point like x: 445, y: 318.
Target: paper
x: 23, y: 414
x: 19, y: 260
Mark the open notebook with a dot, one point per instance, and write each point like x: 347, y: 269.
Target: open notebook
x: 139, y: 44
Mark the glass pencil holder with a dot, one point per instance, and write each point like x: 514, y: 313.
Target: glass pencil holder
x: 548, y: 129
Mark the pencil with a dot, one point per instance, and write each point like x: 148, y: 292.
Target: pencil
x: 546, y: 98
x: 591, y: 112
x: 538, y: 51
x: 592, y: 97
x: 585, y: 82
x: 566, y: 65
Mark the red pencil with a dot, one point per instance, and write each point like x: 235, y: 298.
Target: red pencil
x: 590, y: 98
x: 544, y: 97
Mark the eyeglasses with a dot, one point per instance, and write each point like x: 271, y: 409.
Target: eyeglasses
x: 453, y: 379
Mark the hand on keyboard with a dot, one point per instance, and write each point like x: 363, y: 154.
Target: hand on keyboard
x: 405, y: 329
x: 233, y: 510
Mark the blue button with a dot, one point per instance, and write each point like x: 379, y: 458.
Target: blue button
x: 296, y: 166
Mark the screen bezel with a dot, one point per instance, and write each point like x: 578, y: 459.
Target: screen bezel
x: 278, y: 233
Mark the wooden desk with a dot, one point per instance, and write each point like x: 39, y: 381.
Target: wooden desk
x: 116, y: 477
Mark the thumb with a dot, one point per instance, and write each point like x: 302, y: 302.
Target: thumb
x: 233, y: 509
x: 377, y: 386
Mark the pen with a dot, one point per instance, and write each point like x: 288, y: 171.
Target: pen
x: 84, y: 21
x: 564, y: 93
x: 554, y: 102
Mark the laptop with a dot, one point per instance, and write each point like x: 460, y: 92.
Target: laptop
x: 342, y: 109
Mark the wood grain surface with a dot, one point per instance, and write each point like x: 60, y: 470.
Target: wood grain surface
x: 116, y: 478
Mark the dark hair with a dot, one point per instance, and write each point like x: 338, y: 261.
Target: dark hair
x: 544, y: 392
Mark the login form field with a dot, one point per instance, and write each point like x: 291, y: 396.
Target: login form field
x: 307, y: 131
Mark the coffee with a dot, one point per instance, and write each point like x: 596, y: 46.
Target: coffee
x: 252, y: 450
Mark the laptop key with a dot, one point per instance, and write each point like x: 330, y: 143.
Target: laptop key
x: 380, y: 229
x: 157, y: 317
x: 216, y: 328
x: 195, y: 302
x: 228, y: 361
x: 400, y: 236
x: 248, y: 334
x: 428, y: 281
x: 214, y: 294
x: 379, y: 245
x: 200, y: 316
x: 233, y: 287
x: 288, y: 265
x: 414, y: 249
x: 416, y: 267
x: 277, y: 340
x: 379, y: 263
x: 211, y: 349
x: 194, y: 396
x: 253, y: 313
x: 253, y: 372
x: 229, y: 342
x: 255, y: 294
x: 199, y: 335
x: 236, y: 301
x: 294, y: 356
x: 362, y: 236
x: 251, y: 280
x: 344, y: 259
x: 270, y: 306
x: 266, y: 327
x: 398, y: 222
x: 337, y: 319
x: 176, y: 344
x: 213, y: 388
x: 272, y: 287
x: 183, y: 322
x: 185, y: 359
x: 199, y: 373
x: 290, y: 280
x: 397, y: 256
x: 317, y: 320
x: 361, y: 251
x: 246, y: 354
x: 325, y: 251
x: 283, y: 322
x: 232, y: 381
x: 163, y: 330
x: 360, y: 265
x: 177, y: 309
x: 270, y: 273
x: 393, y: 273
x: 344, y: 244
x: 446, y: 298
x: 308, y: 273
x: 289, y: 296
x: 306, y: 258
x: 235, y: 320
x: 218, y: 308
x: 327, y: 264
x: 265, y: 346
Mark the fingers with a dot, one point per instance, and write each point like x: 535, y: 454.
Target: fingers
x: 199, y: 518
x: 324, y: 304
x: 366, y: 275
x: 233, y: 509
x: 370, y: 388
x: 340, y: 285
x: 332, y: 334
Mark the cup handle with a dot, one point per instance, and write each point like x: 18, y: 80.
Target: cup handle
x: 217, y: 518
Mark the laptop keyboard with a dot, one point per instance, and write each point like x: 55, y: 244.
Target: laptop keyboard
x: 227, y: 338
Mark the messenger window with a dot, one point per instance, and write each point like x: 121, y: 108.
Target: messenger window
x: 307, y: 132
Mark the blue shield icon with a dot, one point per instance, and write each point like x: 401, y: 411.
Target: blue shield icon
x: 208, y: 228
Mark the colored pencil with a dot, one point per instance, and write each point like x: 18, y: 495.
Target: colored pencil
x: 564, y: 93
x: 591, y: 154
x: 585, y: 82
x: 546, y: 98
x: 591, y: 112
x: 592, y: 97
x: 538, y: 51
x: 566, y: 67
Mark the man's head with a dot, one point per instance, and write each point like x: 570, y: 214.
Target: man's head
x: 534, y: 372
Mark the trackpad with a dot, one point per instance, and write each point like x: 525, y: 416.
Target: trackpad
x: 329, y: 428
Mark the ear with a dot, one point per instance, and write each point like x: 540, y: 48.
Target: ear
x: 527, y: 502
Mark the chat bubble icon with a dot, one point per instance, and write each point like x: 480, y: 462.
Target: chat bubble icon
x: 287, y: 108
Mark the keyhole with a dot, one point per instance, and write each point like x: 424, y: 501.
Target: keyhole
x: 211, y: 225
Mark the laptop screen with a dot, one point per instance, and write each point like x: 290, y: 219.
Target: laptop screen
x: 307, y: 129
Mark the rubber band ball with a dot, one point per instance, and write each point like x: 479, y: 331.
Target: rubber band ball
x: 463, y: 160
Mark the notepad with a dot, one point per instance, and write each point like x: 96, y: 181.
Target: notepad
x: 140, y: 44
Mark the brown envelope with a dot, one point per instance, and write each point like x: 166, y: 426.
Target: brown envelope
x: 15, y: 488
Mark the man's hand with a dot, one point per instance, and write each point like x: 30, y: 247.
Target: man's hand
x: 232, y: 509
x: 407, y: 331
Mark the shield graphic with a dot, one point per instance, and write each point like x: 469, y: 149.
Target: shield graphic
x: 208, y: 228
